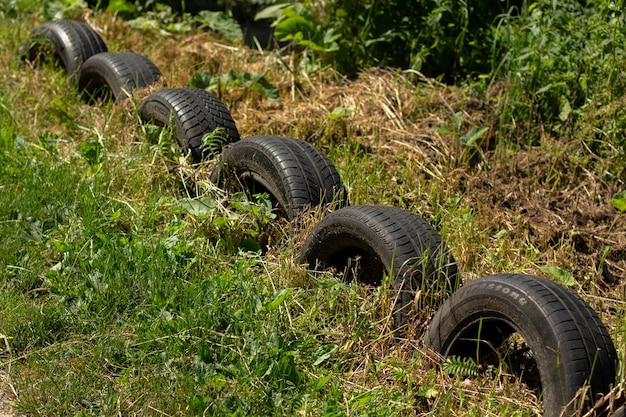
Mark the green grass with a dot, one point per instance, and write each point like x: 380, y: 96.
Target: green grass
x: 119, y: 295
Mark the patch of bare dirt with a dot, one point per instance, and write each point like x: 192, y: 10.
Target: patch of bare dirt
x: 555, y: 206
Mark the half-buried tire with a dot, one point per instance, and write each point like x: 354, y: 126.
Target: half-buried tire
x: 195, y: 114
x: 369, y: 242
x: 534, y: 328
x: 294, y: 173
x: 115, y: 75
x: 67, y: 42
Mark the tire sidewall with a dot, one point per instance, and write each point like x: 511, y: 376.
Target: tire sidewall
x: 251, y: 162
x: 61, y: 40
x: 337, y: 231
x: 157, y: 109
x: 191, y: 126
x: 503, y: 301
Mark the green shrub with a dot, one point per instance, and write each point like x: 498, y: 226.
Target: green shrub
x: 561, y: 61
x: 448, y: 38
x: 239, y: 8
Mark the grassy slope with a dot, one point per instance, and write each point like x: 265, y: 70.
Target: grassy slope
x: 116, y: 301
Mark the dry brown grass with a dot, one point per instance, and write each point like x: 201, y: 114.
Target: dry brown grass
x: 525, y: 209
x: 503, y: 210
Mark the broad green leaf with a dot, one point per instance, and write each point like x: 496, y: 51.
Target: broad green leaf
x: 260, y: 85
x: 565, y: 277
x: 442, y: 128
x: 457, y: 119
x: 274, y: 12
x: 319, y: 384
x: 473, y: 135
x: 239, y: 200
x: 619, y: 201
x: 339, y: 112
x: 428, y: 392
x: 330, y: 40
x: 198, y: 207
x: 60, y: 246
x: 115, y: 215
x: 495, y: 258
x: 279, y: 297
x: 566, y: 110
x: 121, y: 6
x: 294, y: 28
x: 201, y: 79
x: 220, y: 221
x: 362, y: 400
x: 143, y: 23
x: 323, y: 353
x: 221, y: 23
x: 184, y: 27
x: 250, y: 245
x: 544, y: 88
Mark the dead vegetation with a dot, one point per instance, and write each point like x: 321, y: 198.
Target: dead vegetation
x: 503, y: 208
x: 544, y: 198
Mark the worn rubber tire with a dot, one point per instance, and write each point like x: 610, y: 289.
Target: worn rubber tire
x: 295, y: 173
x: 569, y: 343
x: 115, y: 74
x: 68, y: 42
x: 195, y: 113
x: 387, y: 240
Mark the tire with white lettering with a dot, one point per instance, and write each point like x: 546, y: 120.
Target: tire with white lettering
x: 537, y: 328
x: 195, y: 113
x: 67, y: 42
x: 294, y: 173
x: 369, y: 242
x: 114, y: 75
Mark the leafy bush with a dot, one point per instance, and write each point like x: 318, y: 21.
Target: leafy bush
x: 239, y: 8
x: 560, y: 60
x: 217, y: 83
x: 450, y: 38
x: 440, y: 37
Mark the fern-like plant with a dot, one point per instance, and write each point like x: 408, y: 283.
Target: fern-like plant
x: 460, y: 366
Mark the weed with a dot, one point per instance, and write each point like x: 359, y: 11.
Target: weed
x: 249, y: 82
x: 458, y: 366
x: 127, y: 290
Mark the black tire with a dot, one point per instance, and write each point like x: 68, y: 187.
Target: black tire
x: 385, y: 240
x: 569, y: 344
x: 115, y: 75
x: 196, y: 113
x: 67, y: 42
x: 294, y: 173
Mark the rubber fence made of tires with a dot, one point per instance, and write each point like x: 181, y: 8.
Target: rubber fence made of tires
x: 539, y: 329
